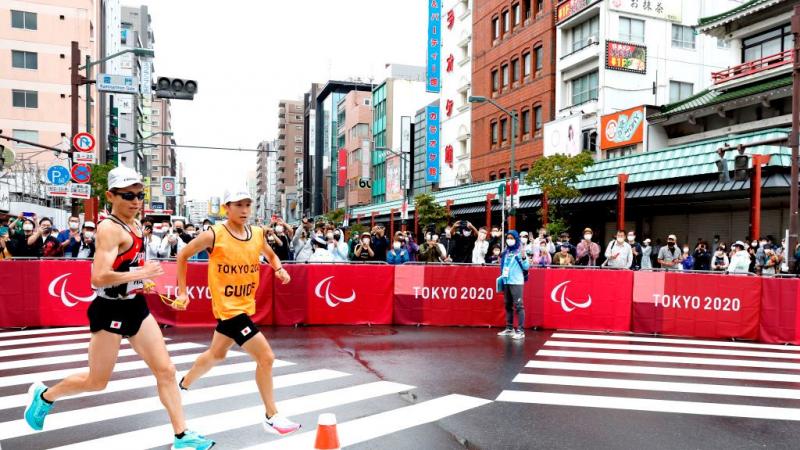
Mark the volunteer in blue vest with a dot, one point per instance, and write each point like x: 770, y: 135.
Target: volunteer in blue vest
x: 513, y: 262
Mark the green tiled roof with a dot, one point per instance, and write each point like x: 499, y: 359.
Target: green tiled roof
x: 713, y: 97
x: 688, y: 160
x: 732, y: 12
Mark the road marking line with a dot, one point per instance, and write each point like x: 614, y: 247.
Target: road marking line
x: 645, y: 404
x: 671, y: 359
x: 230, y: 420
x: 670, y: 349
x: 38, y: 331
x: 673, y: 341
x: 50, y: 360
x: 366, y: 428
x: 666, y: 371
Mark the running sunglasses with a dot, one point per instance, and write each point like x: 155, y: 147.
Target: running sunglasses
x: 130, y: 196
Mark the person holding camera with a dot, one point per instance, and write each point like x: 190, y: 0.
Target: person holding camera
x: 380, y: 243
x: 364, y: 251
x: 174, y: 240
x: 464, y: 235
x: 431, y: 251
x: 481, y: 248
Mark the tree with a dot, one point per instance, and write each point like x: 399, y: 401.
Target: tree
x: 556, y: 176
x: 430, y: 212
x: 99, y: 182
x: 335, y: 216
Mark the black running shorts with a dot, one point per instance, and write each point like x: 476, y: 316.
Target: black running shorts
x: 123, y: 317
x: 239, y: 328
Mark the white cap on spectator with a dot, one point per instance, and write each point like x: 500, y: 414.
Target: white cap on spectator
x: 234, y: 195
x: 122, y: 177
x: 672, y: 236
x: 89, y: 224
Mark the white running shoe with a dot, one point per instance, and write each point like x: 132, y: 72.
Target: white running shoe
x: 518, y: 335
x: 506, y: 332
x: 279, y: 425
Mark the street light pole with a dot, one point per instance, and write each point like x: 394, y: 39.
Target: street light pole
x: 512, y: 212
x: 794, y: 139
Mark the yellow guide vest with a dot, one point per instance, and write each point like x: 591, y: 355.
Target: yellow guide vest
x: 233, y: 272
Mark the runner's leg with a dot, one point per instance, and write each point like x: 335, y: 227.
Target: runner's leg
x: 149, y: 344
x: 103, y: 350
x: 260, y: 351
x: 220, y: 344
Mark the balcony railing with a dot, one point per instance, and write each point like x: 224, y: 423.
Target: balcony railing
x: 751, y: 67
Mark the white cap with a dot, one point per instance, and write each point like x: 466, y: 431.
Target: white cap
x: 234, y: 195
x: 122, y: 177
x: 89, y: 224
x: 672, y: 236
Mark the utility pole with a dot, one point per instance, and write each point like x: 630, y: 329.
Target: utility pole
x: 794, y: 137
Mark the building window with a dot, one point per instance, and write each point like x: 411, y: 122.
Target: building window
x: 23, y: 19
x: 539, y: 57
x: 494, y: 132
x: 24, y: 60
x: 298, y: 149
x: 495, y: 85
x: 367, y: 102
x: 722, y: 43
x: 517, y: 14
x: 25, y: 99
x: 539, y: 6
x: 503, y: 130
x: 298, y: 127
x: 495, y: 28
x: 526, y: 122
x: 506, y: 22
x: 514, y: 70
x: 537, y: 117
x: 25, y: 135
x: 768, y: 43
x: 585, y: 34
x: 526, y: 64
x: 505, y: 75
x: 682, y: 37
x: 679, y: 90
x: 584, y: 89
x: 298, y: 139
x: 527, y: 7
x: 631, y: 30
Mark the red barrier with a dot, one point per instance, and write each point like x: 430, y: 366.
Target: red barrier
x: 713, y: 306
x: 19, y: 295
x: 447, y: 296
x: 780, y: 314
x: 335, y: 294
x: 580, y: 299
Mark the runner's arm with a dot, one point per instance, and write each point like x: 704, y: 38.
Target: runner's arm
x: 203, y: 241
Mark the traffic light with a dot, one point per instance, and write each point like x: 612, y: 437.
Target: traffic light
x: 740, y: 172
x: 176, y: 88
x: 113, y: 136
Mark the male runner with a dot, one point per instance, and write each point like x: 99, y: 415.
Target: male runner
x: 119, y: 273
x: 233, y: 275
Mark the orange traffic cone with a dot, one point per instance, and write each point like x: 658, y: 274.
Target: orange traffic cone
x: 327, y: 437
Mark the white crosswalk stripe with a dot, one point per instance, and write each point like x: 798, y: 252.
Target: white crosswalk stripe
x: 631, y: 373
x: 40, y: 331
x: 51, y: 348
x: 224, y: 400
x: 41, y: 340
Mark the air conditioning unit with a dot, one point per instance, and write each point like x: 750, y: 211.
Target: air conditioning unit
x: 591, y: 40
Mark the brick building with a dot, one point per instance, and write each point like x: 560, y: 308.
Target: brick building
x: 514, y: 65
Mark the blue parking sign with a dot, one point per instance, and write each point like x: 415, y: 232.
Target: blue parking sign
x: 58, y: 175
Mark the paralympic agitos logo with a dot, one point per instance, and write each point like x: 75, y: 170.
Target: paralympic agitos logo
x: 559, y: 295
x: 323, y: 291
x: 58, y: 289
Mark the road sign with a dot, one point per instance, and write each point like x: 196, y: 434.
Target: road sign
x: 122, y: 84
x: 168, y: 186
x: 83, y: 157
x: 57, y: 190
x: 83, y: 191
x: 157, y: 206
x: 81, y: 173
x: 58, y: 175
x: 83, y: 142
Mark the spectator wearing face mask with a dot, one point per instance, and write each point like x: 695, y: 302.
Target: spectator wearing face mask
x: 563, y: 240
x: 430, y: 251
x: 152, y: 243
x: 563, y: 257
x: 281, y: 232
x: 464, y: 238
x: 19, y: 245
x: 4, y: 238
x: 669, y: 256
x: 380, y: 243
x: 397, y: 254
x: 771, y: 262
x: 525, y: 244
x: 619, y: 254
x: 494, y: 257
x: 321, y: 253
x: 687, y: 258
x: 70, y: 238
x: 494, y: 237
x: 173, y: 240
x: 740, y: 260
x: 301, y: 244
x: 48, y: 245
x: 720, y: 261
x: 86, y: 249
x: 410, y: 245
x: 587, y: 251
x: 446, y: 240
x: 702, y: 257
x: 636, y: 250
x: 337, y: 246
x: 364, y: 251
x: 647, y: 255
x: 480, y: 248
x: 541, y: 254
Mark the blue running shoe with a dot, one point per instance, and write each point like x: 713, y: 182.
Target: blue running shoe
x: 38, y: 409
x: 192, y: 441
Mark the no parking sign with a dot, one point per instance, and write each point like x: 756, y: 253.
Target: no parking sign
x: 81, y: 173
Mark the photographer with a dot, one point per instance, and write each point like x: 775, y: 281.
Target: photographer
x: 301, y: 243
x: 174, y: 240
x: 152, y: 243
x: 464, y: 239
x: 278, y: 231
x: 430, y: 251
x: 364, y: 251
x: 85, y: 250
x: 380, y: 243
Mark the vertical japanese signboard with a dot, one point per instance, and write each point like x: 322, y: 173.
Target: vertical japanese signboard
x: 433, y: 81
x: 432, y: 144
